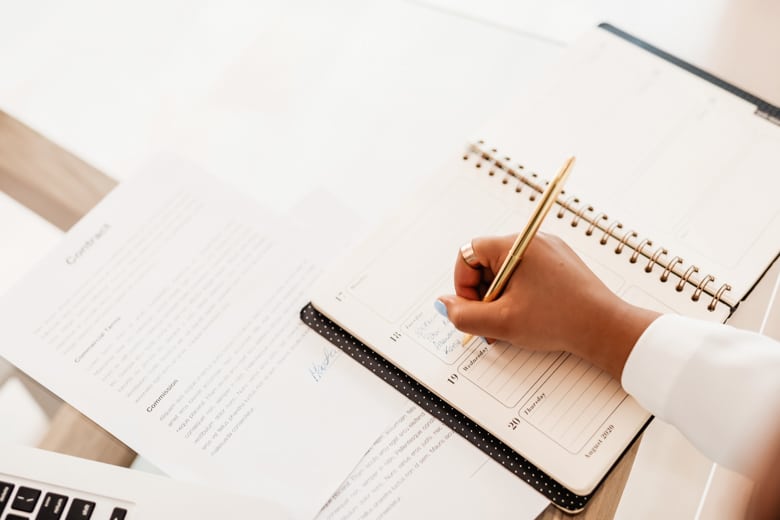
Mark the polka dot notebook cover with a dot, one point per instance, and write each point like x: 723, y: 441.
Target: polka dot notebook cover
x: 445, y: 413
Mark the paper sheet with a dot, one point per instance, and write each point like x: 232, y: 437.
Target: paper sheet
x: 419, y: 467
x: 169, y: 315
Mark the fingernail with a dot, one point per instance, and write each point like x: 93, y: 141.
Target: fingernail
x: 440, y: 308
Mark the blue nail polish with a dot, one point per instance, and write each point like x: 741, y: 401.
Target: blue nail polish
x: 440, y: 308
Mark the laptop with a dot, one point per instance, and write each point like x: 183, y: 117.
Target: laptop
x: 43, y: 485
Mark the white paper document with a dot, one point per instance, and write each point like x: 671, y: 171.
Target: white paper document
x: 169, y: 315
x: 421, y: 468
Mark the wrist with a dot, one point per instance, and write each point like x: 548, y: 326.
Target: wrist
x: 612, y: 337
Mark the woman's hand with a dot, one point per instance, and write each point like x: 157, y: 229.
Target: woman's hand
x: 552, y: 302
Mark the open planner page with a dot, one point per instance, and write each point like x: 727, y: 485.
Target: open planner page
x: 169, y: 316
x: 676, y: 159
x: 567, y: 417
x: 671, y: 203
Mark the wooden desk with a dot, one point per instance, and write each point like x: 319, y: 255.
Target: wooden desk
x: 62, y: 188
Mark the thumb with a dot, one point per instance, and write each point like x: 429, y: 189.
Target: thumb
x: 473, y: 316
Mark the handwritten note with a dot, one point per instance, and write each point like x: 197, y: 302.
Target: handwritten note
x: 435, y: 333
x: 318, y: 369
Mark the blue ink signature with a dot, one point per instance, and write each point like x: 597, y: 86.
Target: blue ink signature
x: 317, y: 370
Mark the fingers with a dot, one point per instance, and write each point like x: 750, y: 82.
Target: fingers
x: 551, y: 302
x: 490, y: 253
x: 475, y: 317
x: 467, y: 279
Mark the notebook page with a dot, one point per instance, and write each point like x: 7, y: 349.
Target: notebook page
x: 670, y: 155
x: 565, y: 416
x: 169, y: 315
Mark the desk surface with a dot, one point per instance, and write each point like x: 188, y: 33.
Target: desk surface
x: 61, y: 188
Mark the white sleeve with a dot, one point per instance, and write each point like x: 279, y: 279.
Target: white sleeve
x: 719, y: 386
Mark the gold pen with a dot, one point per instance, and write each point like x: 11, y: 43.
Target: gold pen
x: 524, y: 238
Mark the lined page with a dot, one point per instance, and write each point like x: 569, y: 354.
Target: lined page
x: 680, y: 164
x: 567, y: 417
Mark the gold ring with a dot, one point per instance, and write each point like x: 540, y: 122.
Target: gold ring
x: 468, y: 255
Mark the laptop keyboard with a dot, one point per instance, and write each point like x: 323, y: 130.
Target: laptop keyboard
x: 23, y: 499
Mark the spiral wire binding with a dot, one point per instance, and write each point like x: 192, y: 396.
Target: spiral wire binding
x: 687, y: 274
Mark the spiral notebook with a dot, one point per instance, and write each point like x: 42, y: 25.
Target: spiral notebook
x: 687, y: 163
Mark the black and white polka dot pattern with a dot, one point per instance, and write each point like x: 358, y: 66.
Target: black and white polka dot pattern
x: 434, y: 405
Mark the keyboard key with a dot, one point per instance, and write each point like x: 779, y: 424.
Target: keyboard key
x: 119, y: 514
x: 12, y: 516
x: 25, y: 499
x: 6, y: 489
x: 52, y: 508
x: 80, y: 510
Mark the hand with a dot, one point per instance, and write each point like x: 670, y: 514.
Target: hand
x: 552, y: 302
